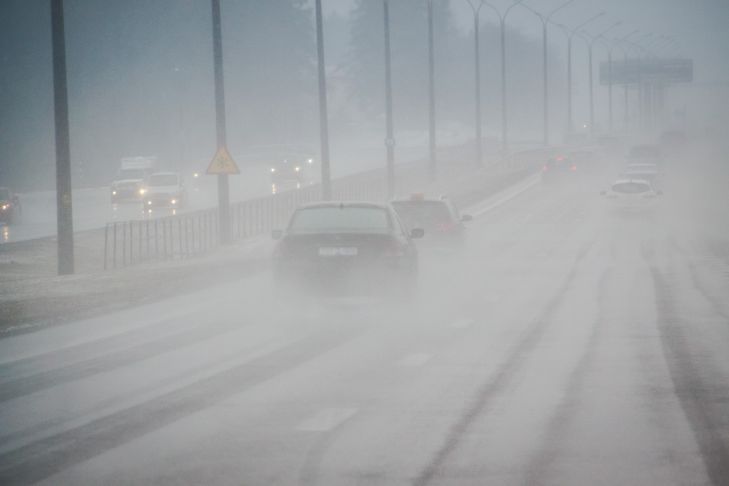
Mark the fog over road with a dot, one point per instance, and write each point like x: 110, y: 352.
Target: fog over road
x: 567, y: 344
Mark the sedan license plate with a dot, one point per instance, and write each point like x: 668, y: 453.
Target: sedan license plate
x: 332, y: 251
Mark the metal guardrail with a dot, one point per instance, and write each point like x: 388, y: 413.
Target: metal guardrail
x: 194, y: 233
x: 172, y: 237
x: 190, y: 234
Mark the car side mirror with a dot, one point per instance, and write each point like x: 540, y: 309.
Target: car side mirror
x: 417, y: 233
x: 277, y: 234
x: 603, y: 193
x: 660, y: 193
x: 466, y: 217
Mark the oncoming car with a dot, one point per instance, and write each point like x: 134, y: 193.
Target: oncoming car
x: 632, y: 193
x: 9, y: 206
x: 346, y: 247
x: 439, y: 218
x: 291, y: 173
x: 164, y: 189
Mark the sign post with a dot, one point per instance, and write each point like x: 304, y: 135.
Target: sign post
x: 223, y: 185
x: 63, y: 150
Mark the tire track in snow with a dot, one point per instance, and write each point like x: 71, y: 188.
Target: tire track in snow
x: 503, y: 376
x: 695, y: 393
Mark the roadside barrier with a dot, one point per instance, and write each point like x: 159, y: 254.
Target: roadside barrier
x: 194, y: 233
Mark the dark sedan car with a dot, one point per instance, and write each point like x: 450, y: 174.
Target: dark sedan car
x: 346, y: 248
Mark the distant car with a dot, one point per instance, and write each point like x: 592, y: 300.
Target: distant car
x: 129, y: 184
x: 291, y: 173
x: 645, y: 171
x: 673, y: 140
x: 645, y: 151
x: 632, y: 193
x: 559, y: 168
x: 645, y: 154
x: 165, y: 189
x: 10, y: 208
x: 346, y: 247
x: 440, y: 218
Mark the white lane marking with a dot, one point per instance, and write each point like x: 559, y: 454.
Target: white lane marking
x: 326, y: 419
x: 412, y: 360
x: 503, y: 197
x: 462, y: 323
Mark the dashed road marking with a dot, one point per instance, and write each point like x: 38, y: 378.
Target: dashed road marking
x: 326, y: 419
x: 412, y: 360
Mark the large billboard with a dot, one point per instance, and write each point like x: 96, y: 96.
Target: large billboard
x: 633, y: 71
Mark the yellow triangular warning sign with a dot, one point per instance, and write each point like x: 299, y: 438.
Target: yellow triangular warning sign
x: 222, y: 163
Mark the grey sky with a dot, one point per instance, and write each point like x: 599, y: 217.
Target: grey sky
x: 698, y: 25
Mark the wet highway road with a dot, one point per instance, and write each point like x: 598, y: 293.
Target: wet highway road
x: 568, y: 343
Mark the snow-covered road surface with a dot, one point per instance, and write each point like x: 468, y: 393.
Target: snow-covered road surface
x: 566, y: 344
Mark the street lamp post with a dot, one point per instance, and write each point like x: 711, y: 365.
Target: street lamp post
x: 610, y: 77
x: 590, y: 43
x: 64, y: 207
x: 431, y: 94
x: 570, y: 33
x: 220, y: 126
x: 390, y: 140
x: 476, y: 8
x: 545, y: 19
x: 502, y: 24
x: 326, y: 181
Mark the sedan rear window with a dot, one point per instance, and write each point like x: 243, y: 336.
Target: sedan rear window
x: 631, y: 188
x: 343, y: 219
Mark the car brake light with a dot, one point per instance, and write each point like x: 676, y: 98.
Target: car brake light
x: 446, y: 227
x: 545, y: 168
x: 573, y: 167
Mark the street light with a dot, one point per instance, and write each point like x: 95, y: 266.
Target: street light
x: 502, y: 24
x: 390, y: 140
x: 431, y: 93
x: 476, y: 8
x: 326, y: 182
x: 545, y: 20
x: 570, y: 33
x: 612, y: 45
x: 591, y: 43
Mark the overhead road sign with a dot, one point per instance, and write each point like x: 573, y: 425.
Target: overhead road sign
x: 634, y: 71
x: 222, y: 164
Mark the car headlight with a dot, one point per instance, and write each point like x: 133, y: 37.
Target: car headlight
x: 142, y: 191
x: 5, y: 206
x: 174, y: 201
x: 273, y: 169
x: 297, y: 169
x: 113, y: 193
x: 149, y: 203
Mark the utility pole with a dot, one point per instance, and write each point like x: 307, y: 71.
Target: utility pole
x: 431, y: 85
x: 502, y: 24
x: 476, y: 8
x: 64, y: 196
x: 390, y: 140
x: 545, y: 19
x: 570, y: 33
x: 223, y: 184
x: 326, y: 178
